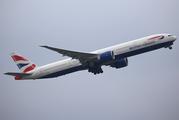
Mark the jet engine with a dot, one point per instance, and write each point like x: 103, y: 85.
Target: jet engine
x: 120, y: 63
x: 106, y: 56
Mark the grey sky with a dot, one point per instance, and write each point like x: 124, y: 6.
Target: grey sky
x: 146, y: 89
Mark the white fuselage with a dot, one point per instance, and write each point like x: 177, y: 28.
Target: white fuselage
x: 123, y: 50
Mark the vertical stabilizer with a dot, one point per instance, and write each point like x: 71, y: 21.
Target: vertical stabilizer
x: 23, y: 64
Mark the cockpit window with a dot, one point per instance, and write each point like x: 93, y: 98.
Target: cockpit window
x: 169, y: 35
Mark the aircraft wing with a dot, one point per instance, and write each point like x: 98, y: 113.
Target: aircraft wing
x: 82, y: 56
x: 17, y: 74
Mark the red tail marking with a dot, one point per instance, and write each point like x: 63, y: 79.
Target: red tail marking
x: 29, y: 68
x: 17, y: 58
x: 17, y: 78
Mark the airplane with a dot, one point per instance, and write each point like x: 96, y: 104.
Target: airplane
x: 114, y: 56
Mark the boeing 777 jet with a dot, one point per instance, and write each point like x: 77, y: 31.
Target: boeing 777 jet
x: 114, y: 56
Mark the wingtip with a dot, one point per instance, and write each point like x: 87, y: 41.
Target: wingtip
x: 44, y: 46
x: 5, y: 73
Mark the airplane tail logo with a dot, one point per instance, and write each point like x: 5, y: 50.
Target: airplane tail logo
x: 23, y: 64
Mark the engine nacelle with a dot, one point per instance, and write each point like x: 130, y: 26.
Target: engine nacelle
x: 120, y: 63
x: 106, y: 56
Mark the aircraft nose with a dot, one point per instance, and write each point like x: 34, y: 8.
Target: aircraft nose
x: 174, y: 37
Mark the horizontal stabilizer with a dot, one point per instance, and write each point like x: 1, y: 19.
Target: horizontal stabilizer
x: 18, y: 74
